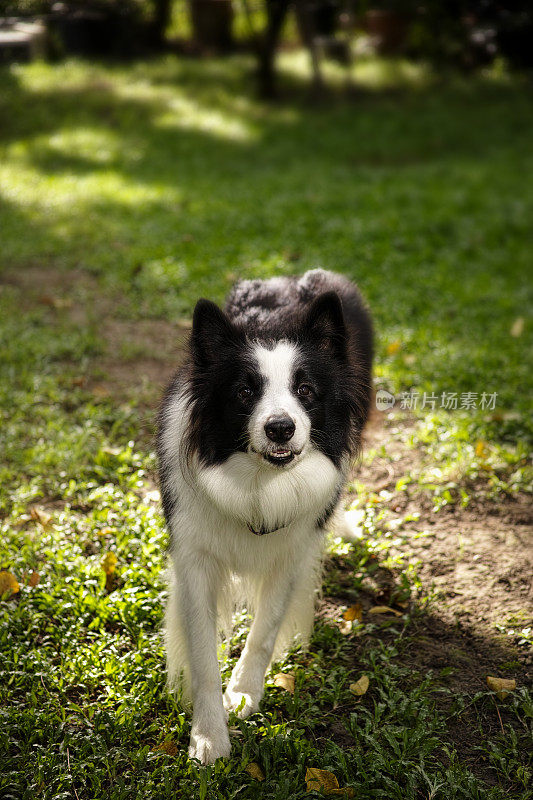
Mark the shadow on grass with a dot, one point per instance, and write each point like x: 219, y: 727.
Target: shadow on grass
x: 421, y: 645
x: 177, y: 160
x: 441, y: 121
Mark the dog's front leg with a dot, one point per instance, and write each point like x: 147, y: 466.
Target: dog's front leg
x: 198, y: 588
x: 246, y: 685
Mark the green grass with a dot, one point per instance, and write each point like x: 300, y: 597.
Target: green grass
x: 167, y: 180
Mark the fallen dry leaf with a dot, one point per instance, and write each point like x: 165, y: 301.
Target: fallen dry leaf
x: 34, y: 579
x: 502, y: 686
x: 353, y: 613
x: 109, y: 563
x: 40, y: 515
x: 384, y: 610
x: 255, y: 771
x: 517, y: 327
x: 99, y: 390
x: 482, y: 450
x: 285, y: 681
x: 393, y: 348
x: 55, y: 302
x: 169, y: 748
x: 320, y: 780
x: 8, y: 583
x: 360, y: 687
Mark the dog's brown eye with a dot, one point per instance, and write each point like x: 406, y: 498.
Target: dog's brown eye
x: 245, y: 393
x: 304, y: 390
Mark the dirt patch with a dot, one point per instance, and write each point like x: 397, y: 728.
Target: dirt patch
x: 477, y: 561
x: 35, y: 281
x: 138, y: 356
x: 391, y: 457
x: 480, y: 566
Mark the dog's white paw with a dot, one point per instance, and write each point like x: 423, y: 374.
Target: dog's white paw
x: 207, y: 747
x: 243, y: 703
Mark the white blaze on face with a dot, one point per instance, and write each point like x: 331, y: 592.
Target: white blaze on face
x: 277, y: 368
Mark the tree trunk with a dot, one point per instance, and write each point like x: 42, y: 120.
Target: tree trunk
x: 162, y: 12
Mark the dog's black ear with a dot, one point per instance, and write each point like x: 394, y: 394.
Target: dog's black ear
x: 212, y: 331
x: 324, y: 323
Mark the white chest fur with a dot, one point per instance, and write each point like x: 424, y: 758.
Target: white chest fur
x: 264, y: 496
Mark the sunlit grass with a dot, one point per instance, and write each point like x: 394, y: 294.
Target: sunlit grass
x: 363, y: 73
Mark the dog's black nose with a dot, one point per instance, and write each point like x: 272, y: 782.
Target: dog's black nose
x: 279, y: 429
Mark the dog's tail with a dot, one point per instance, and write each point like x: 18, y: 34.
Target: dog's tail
x: 348, y: 524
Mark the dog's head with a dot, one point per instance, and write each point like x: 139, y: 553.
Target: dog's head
x: 275, y: 398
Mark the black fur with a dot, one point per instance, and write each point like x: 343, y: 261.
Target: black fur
x: 328, y: 512
x: 337, y: 344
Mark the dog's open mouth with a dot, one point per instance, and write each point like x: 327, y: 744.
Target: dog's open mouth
x: 280, y: 456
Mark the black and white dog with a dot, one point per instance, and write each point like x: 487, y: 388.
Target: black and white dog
x: 256, y: 434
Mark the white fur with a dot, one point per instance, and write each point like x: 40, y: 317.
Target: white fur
x: 214, y: 552
x: 277, y: 367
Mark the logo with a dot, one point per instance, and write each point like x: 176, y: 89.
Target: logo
x: 384, y: 400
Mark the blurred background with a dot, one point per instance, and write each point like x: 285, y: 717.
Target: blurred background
x: 464, y: 33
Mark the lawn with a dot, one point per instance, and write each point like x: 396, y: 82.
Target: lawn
x: 126, y: 192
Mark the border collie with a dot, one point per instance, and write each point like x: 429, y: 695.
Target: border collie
x: 256, y: 433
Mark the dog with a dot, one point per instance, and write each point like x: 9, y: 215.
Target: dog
x: 256, y: 433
